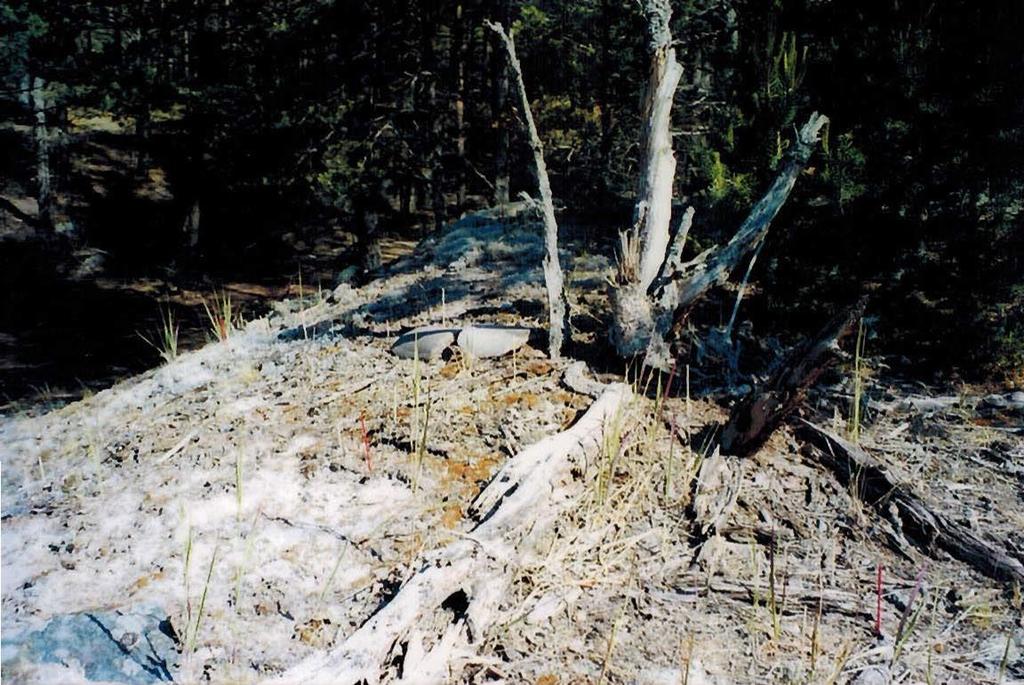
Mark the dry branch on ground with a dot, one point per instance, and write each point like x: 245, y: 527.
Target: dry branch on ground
x: 517, y: 510
x: 892, y: 498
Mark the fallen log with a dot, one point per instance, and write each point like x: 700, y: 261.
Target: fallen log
x: 754, y: 419
x: 926, y: 528
x: 448, y: 603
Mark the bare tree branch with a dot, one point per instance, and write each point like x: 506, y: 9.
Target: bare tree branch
x: 554, y: 280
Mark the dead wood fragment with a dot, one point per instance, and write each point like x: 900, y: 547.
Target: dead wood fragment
x: 927, y: 528
x: 654, y: 196
x: 576, y: 379
x: 644, y: 246
x: 715, y: 267
x: 798, y: 598
x: 17, y: 212
x: 717, y: 486
x: 752, y: 422
x: 470, y: 576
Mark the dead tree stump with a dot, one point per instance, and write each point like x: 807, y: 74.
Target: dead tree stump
x: 756, y: 417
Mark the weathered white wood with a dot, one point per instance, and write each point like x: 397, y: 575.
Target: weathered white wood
x: 645, y: 247
x: 575, y: 378
x: 654, y: 200
x: 521, y: 487
x: 742, y: 289
x: 681, y: 285
x: 658, y: 350
x: 518, y: 508
x: 674, y: 258
x: 654, y: 289
x: 719, y: 264
x: 558, y: 302
x: 632, y: 319
x: 642, y: 322
x: 891, y: 498
x: 364, y: 655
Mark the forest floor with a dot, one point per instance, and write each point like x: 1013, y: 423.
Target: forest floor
x: 264, y: 496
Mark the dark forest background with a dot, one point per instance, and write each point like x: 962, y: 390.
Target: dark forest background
x: 229, y: 138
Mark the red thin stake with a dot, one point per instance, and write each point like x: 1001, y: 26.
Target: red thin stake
x: 671, y: 377
x: 366, y: 441
x: 878, y: 602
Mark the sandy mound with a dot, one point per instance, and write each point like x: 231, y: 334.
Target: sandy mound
x: 264, y: 496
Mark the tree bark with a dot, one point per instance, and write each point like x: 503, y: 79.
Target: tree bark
x: 604, y: 95
x: 190, y: 228
x: 203, y: 54
x: 643, y: 247
x: 433, y: 124
x: 367, y: 210
x: 143, y: 93
x: 558, y: 303
x: 654, y: 290
x: 701, y: 275
x: 458, y: 66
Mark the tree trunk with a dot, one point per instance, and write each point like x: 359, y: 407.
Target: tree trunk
x: 41, y: 137
x: 458, y: 66
x: 654, y: 199
x: 642, y: 249
x: 643, y: 319
x: 558, y: 303
x: 367, y: 212
x: 654, y: 289
x: 143, y: 93
x: 433, y: 174
x: 499, y: 115
x: 604, y: 95
x: 190, y: 228
x: 201, y: 58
